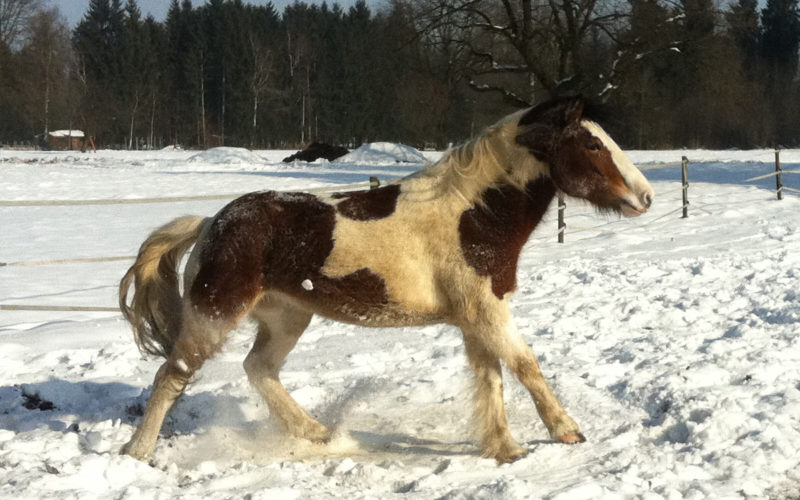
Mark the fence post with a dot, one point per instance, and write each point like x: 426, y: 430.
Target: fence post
x: 778, y: 183
x: 562, y: 226
x: 374, y: 183
x: 685, y: 182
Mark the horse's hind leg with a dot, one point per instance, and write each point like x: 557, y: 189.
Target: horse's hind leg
x: 279, y: 327
x: 199, y: 340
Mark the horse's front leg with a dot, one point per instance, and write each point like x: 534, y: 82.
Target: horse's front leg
x: 561, y: 427
x: 499, y: 339
x: 490, y: 414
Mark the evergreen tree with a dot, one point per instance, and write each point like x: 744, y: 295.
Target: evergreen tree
x: 779, y: 44
x: 185, y: 63
x: 744, y: 29
x: 781, y: 36
x: 98, y: 40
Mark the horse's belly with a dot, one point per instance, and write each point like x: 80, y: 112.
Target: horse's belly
x: 365, y: 313
x: 386, y: 316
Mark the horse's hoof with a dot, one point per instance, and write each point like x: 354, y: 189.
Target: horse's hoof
x: 506, y: 453
x: 510, y: 457
x: 317, y: 433
x: 572, y: 438
x: 324, y: 439
x: 133, y: 451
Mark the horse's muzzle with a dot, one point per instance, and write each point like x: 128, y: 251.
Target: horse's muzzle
x: 634, y: 206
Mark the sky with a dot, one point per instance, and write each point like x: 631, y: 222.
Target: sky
x: 73, y: 10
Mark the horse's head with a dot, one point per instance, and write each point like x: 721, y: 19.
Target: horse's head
x: 584, y: 161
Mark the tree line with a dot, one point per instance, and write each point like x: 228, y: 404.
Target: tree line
x: 427, y: 72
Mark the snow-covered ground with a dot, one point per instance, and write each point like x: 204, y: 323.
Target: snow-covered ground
x: 675, y: 343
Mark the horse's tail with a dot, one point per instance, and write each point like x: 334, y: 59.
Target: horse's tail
x: 155, y: 311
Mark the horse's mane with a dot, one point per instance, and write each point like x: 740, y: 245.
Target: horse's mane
x: 483, y: 162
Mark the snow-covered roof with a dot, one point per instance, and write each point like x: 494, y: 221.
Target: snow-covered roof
x: 66, y: 133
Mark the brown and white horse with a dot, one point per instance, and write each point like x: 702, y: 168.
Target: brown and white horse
x: 439, y: 246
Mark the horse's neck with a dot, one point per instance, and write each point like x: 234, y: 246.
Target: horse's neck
x: 512, y: 211
x: 494, y: 231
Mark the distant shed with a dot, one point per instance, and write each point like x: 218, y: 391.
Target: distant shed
x: 66, y: 140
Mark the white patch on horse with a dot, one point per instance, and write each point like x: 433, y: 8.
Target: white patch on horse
x: 307, y: 285
x: 641, y: 192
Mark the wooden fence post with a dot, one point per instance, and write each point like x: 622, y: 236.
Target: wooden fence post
x: 685, y: 182
x: 562, y: 226
x: 778, y: 183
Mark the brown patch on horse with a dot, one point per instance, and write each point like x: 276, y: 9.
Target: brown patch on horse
x: 492, y: 234
x: 350, y: 298
x: 277, y: 241
x: 369, y: 205
x: 260, y: 239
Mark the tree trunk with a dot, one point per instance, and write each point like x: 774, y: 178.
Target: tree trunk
x: 133, y: 118
x: 151, y: 138
x: 255, y: 119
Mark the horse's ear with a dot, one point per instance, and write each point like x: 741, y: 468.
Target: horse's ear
x: 557, y: 113
x: 542, y: 125
x: 574, y: 110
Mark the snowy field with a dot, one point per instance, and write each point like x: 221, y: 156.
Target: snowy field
x: 675, y: 344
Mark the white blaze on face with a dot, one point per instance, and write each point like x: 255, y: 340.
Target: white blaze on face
x: 641, y: 191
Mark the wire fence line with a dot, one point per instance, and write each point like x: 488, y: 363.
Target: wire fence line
x: 372, y: 183
x: 29, y: 307
x: 50, y: 262
x: 171, y: 199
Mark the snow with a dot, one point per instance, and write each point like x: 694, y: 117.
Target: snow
x: 223, y: 155
x: 382, y: 153
x: 66, y: 133
x: 673, y: 342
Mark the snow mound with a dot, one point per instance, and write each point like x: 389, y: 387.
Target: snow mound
x: 66, y: 133
x: 383, y: 152
x: 226, y: 155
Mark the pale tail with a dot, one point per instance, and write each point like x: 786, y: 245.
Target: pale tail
x: 155, y: 311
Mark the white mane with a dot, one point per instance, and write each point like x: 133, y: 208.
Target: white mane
x: 491, y: 159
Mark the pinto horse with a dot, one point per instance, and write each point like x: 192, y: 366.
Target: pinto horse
x: 439, y: 246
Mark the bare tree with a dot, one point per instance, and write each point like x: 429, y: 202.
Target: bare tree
x: 263, y: 68
x: 46, y: 54
x: 14, y: 16
x: 525, y: 49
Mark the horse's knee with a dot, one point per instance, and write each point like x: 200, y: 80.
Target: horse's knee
x: 257, y: 366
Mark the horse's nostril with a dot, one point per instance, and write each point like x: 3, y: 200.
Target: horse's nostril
x: 647, y: 199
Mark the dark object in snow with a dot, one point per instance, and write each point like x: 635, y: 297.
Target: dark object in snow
x: 317, y: 150
x: 35, y: 402
x: 135, y: 410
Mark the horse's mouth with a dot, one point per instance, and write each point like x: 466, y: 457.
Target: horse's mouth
x: 629, y: 209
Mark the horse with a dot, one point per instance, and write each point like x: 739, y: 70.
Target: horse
x: 438, y: 246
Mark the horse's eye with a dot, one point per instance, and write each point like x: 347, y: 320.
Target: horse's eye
x: 594, y: 146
